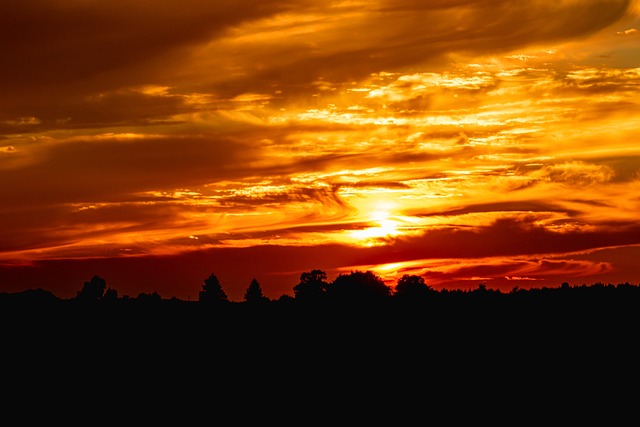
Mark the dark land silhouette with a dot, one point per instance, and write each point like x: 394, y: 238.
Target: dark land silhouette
x: 352, y: 346
x: 356, y: 290
x: 356, y: 299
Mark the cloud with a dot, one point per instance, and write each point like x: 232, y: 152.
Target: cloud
x: 602, y: 79
x: 509, y: 235
x: 79, y: 48
x: 396, y: 38
x: 59, y: 44
x: 501, y: 273
x: 98, y: 169
x: 576, y: 173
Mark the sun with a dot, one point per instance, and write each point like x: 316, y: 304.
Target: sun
x: 385, y: 226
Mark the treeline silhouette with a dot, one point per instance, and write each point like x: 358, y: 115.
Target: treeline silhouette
x: 349, y: 292
x: 356, y: 288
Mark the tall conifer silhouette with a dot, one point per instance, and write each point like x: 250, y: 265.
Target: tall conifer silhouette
x: 254, y: 294
x: 212, y: 291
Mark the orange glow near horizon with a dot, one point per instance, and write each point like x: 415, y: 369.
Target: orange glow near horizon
x: 399, y: 131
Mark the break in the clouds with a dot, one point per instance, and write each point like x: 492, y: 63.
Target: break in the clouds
x: 407, y: 133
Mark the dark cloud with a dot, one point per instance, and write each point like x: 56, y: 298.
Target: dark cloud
x: 112, y: 169
x: 125, y: 108
x: 52, y: 44
x: 59, y: 55
x: 510, y: 206
x: 505, y: 237
x: 507, y: 275
x: 413, y: 33
x: 59, y: 225
x: 78, y: 43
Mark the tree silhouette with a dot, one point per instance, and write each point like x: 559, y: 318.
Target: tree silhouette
x: 110, y: 295
x: 149, y: 297
x: 212, y: 291
x: 358, y: 286
x: 411, y: 287
x: 92, y: 290
x: 312, y: 286
x: 254, y: 294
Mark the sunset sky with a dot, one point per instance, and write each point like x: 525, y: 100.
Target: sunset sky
x: 467, y: 141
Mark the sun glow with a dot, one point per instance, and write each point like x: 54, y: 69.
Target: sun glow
x: 385, y: 226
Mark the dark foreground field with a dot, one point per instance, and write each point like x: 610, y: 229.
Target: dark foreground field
x: 528, y: 360
x: 460, y: 325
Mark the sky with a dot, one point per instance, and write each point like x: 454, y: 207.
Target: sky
x: 470, y: 142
